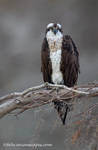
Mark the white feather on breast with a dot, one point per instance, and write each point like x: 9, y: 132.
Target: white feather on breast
x: 54, y: 41
x: 55, y: 57
x: 55, y: 44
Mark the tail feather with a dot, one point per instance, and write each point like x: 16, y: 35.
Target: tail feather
x: 62, y: 109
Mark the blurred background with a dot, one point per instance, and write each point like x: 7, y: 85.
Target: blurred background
x: 22, y: 29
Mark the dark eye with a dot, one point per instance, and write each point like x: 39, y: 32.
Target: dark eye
x: 48, y: 29
x: 60, y: 30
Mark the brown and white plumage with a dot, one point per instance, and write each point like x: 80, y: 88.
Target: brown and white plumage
x: 59, y: 58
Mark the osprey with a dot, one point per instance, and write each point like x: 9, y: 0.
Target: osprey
x: 59, y: 61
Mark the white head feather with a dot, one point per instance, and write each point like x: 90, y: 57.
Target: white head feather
x: 50, y: 25
x: 59, y: 25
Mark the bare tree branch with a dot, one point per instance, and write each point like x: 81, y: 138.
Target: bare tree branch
x: 44, y: 94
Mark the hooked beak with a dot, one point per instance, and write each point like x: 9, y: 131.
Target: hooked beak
x: 55, y: 31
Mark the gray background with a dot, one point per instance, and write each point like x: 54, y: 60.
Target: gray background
x: 22, y: 28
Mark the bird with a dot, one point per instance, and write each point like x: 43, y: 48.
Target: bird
x: 59, y: 62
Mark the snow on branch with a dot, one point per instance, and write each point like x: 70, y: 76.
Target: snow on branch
x: 43, y: 94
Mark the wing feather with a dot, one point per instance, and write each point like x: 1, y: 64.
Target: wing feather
x: 70, y: 61
x: 46, y: 67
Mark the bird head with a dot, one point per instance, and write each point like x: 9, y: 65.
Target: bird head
x: 54, y: 29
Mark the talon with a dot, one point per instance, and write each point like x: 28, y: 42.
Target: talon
x: 46, y: 85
